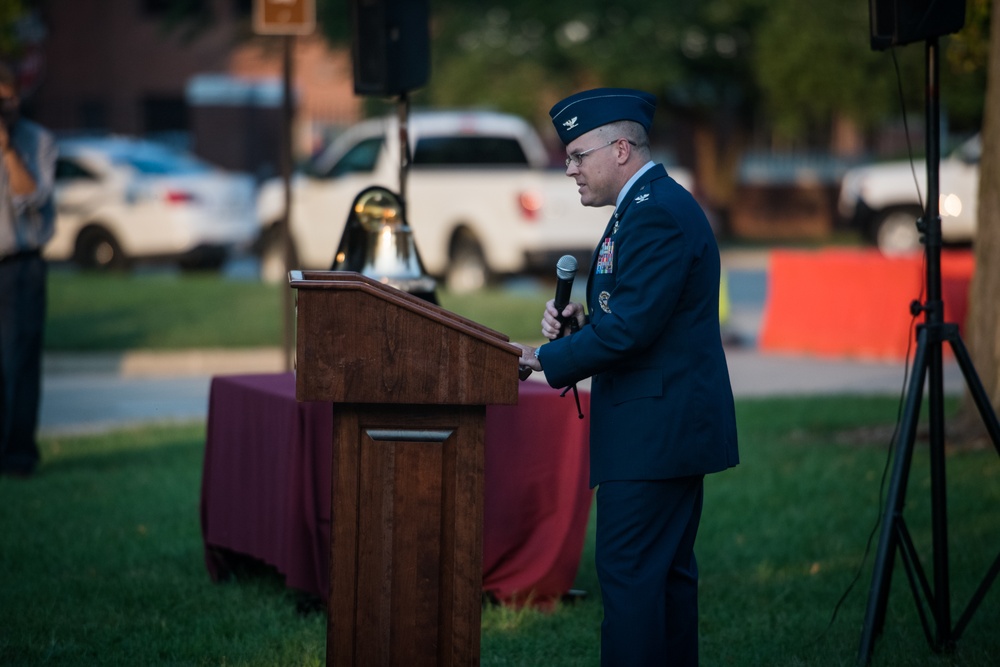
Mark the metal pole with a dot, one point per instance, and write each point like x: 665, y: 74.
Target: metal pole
x: 403, y: 115
x: 927, y: 365
x: 930, y: 338
x: 935, y: 317
x: 287, y: 306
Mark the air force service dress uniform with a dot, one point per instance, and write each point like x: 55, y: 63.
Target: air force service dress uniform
x: 662, y: 413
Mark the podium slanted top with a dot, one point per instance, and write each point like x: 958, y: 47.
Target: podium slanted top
x: 360, y: 341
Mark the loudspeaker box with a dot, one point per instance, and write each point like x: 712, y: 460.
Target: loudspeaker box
x: 391, y: 49
x: 899, y: 22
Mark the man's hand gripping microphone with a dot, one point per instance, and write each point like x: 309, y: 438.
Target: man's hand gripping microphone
x: 565, y: 273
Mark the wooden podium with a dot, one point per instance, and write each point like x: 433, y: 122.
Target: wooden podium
x: 411, y: 382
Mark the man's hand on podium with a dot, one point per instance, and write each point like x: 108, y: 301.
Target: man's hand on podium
x: 528, y: 361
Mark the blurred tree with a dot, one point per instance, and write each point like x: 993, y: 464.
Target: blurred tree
x: 964, y: 69
x: 983, y: 322
x: 817, y: 70
x: 11, y: 12
x: 792, y: 72
x: 780, y: 74
x: 188, y: 18
x: 22, y: 39
x: 523, y: 56
x: 820, y: 78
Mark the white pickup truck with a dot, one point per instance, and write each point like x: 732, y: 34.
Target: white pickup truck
x: 481, y: 198
x: 881, y: 199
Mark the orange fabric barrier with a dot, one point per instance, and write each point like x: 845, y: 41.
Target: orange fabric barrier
x: 854, y: 303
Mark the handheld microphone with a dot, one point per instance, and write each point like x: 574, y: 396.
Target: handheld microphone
x: 565, y: 272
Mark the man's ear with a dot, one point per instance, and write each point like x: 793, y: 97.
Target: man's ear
x: 624, y: 149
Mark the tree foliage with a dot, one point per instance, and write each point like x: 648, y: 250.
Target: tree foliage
x: 781, y: 66
x: 11, y: 13
x: 966, y: 59
x: 523, y: 56
x: 813, y: 60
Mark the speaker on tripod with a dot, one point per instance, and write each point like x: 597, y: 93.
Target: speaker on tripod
x: 391, y: 46
x: 896, y: 22
x: 391, y: 56
x: 899, y: 22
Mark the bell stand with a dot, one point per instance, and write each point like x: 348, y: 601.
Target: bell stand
x: 403, y: 116
x: 927, y: 364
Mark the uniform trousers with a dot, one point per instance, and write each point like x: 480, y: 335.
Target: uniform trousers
x: 647, y: 570
x: 22, y: 324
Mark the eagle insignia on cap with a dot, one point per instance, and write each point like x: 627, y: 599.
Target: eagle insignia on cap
x: 571, y: 123
x: 603, y: 298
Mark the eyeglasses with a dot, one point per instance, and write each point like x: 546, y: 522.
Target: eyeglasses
x: 577, y: 158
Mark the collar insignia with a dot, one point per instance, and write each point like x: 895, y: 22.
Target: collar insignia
x: 571, y: 123
x: 641, y: 198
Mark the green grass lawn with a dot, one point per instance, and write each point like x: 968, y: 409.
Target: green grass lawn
x: 95, y: 312
x: 101, y: 560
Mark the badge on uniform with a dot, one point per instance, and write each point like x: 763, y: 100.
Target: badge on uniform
x: 602, y: 299
x: 606, y: 258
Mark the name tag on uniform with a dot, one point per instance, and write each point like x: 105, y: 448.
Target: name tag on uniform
x: 606, y: 258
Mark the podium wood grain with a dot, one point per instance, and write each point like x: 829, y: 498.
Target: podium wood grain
x: 411, y: 381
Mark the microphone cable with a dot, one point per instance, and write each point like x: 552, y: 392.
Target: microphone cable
x: 573, y: 328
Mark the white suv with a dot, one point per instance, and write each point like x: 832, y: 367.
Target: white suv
x: 882, y: 199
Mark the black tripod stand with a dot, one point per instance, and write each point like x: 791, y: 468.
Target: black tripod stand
x: 927, y: 364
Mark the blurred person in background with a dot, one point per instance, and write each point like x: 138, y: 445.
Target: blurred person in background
x: 27, y: 219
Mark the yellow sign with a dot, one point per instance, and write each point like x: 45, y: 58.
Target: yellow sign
x: 284, y: 17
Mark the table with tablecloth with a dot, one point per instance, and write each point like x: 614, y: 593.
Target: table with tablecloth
x: 266, y: 486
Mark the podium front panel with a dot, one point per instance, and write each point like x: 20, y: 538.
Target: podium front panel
x: 406, y: 547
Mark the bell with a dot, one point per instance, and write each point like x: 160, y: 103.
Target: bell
x: 378, y: 243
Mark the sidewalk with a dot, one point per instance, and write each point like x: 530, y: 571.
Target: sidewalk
x: 98, y: 392
x: 94, y: 393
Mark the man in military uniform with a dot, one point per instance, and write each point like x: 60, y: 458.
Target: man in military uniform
x: 661, y: 401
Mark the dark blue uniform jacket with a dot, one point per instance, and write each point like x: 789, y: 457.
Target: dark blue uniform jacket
x: 661, y: 401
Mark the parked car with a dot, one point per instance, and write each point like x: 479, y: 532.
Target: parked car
x: 121, y: 199
x: 483, y: 198
x: 881, y: 199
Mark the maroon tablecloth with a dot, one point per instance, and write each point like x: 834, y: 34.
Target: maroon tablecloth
x: 266, y: 486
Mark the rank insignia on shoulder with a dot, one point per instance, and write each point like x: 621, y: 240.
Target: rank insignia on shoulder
x: 602, y: 299
x: 641, y: 198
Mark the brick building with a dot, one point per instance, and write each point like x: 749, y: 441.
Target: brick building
x: 119, y: 66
